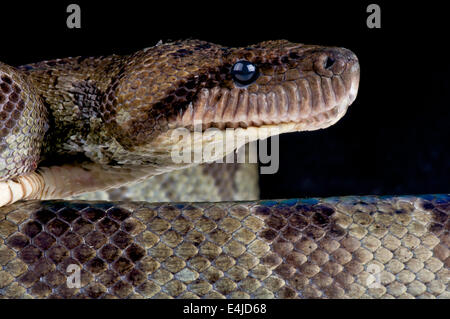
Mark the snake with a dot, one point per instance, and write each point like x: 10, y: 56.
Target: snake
x: 95, y: 204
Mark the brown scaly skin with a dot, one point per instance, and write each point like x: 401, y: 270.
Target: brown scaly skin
x: 348, y: 247
x: 23, y: 123
x: 114, y: 116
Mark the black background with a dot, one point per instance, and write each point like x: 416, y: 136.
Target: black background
x: 394, y: 138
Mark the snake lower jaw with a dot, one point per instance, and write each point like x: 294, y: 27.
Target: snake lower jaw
x: 230, y: 136
x: 221, y: 142
x: 288, y: 118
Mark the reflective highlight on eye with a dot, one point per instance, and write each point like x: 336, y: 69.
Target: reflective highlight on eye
x: 244, y: 73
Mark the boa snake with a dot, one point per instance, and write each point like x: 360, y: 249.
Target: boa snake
x: 86, y: 124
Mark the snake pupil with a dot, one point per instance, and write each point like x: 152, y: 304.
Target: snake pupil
x: 244, y: 73
x: 329, y: 62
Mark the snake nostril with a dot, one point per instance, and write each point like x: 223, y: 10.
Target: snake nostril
x: 329, y: 61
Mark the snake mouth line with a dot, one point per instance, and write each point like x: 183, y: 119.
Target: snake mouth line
x: 314, y: 101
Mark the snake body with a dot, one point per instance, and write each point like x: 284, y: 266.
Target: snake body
x: 78, y: 125
x: 349, y: 247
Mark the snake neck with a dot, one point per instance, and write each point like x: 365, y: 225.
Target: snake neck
x: 72, y: 90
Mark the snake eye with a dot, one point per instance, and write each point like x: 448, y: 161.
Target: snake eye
x: 329, y: 61
x: 244, y: 73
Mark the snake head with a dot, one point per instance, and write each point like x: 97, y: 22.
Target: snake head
x: 273, y: 84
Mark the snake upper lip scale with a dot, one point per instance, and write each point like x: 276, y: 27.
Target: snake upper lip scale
x: 77, y: 125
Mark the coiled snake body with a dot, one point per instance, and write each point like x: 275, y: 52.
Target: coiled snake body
x: 77, y: 125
